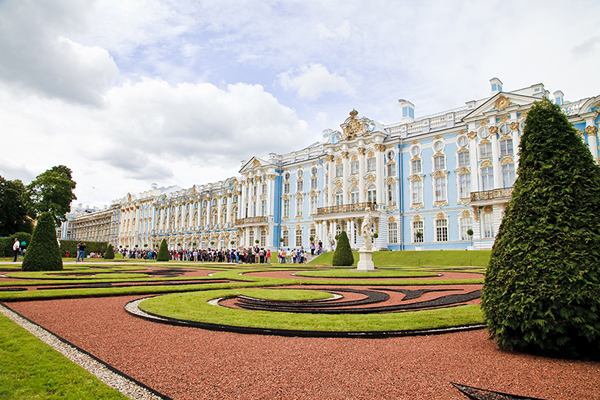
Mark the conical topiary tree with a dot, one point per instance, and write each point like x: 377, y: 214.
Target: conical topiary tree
x: 343, y: 253
x: 43, y: 254
x: 163, y: 252
x: 110, y: 253
x: 542, y: 287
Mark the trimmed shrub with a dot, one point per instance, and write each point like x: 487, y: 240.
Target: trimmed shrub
x: 163, y: 252
x: 343, y: 253
x: 110, y: 253
x: 43, y: 253
x: 541, y: 291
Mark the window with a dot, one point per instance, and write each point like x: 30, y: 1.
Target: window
x: 506, y: 147
x: 286, y: 208
x: 286, y: 238
x: 508, y: 175
x: 298, y: 237
x: 313, y: 184
x: 371, y: 194
x: 299, y: 206
x: 263, y: 208
x: 415, y: 166
x: 251, y: 237
x: 466, y: 223
x: 371, y: 164
x: 300, y: 186
x: 391, y: 194
x: 263, y: 238
x: 300, y: 173
x: 416, y: 192
x: 439, y: 163
x: 314, y: 170
x: 391, y: 169
x: 463, y: 159
x: 235, y: 198
x: 354, y: 167
x: 488, y: 225
x: 354, y: 195
x: 464, y: 186
x: 485, y: 150
x: 339, y: 197
x: 418, y: 232
x: 314, y: 201
x: 393, y: 232
x: 286, y: 187
x: 339, y: 170
x: 254, y: 190
x: 440, y: 188
x: 441, y: 230
x: 487, y: 178
x: 504, y: 129
x: 264, y: 188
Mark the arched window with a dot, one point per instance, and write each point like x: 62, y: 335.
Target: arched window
x: 354, y: 195
x: 508, y: 175
x: 339, y: 197
x: 372, y: 194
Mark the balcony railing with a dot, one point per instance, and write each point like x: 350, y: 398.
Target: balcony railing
x: 250, y: 220
x: 345, y: 208
x: 495, y: 194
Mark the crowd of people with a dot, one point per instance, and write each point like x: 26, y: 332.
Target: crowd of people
x: 242, y: 255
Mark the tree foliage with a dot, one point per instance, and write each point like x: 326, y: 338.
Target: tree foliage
x: 51, y: 191
x: 542, y: 287
x: 13, y: 211
x: 343, y: 253
x: 163, y: 252
x: 43, y: 253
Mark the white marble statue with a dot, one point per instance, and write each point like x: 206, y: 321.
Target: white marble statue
x: 367, y: 231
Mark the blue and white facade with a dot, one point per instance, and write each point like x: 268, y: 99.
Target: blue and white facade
x: 428, y: 182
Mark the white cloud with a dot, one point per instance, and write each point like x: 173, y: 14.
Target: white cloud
x: 37, y: 58
x: 312, y: 81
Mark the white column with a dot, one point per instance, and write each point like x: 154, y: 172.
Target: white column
x: 345, y: 177
x: 361, y: 174
x: 269, y: 196
x: 591, y: 131
x: 473, y: 163
x: 496, y: 160
x: 330, y: 195
x: 380, y: 172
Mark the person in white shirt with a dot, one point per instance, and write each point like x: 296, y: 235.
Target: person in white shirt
x: 16, y: 247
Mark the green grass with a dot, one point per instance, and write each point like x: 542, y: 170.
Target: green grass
x: 418, y: 258
x: 353, y: 273
x: 194, y: 307
x: 30, y: 369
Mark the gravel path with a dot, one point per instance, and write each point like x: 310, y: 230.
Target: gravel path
x: 188, y: 363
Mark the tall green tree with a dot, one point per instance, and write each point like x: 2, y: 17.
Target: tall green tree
x: 343, y: 253
x: 51, y: 191
x: 542, y: 287
x: 43, y: 254
x: 13, y: 211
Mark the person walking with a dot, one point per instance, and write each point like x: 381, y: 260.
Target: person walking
x: 80, y: 251
x: 16, y: 248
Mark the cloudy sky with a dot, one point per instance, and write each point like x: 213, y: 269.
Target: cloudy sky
x: 179, y: 92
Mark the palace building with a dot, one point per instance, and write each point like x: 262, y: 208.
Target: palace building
x: 429, y: 182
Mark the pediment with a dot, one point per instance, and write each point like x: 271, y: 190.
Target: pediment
x: 499, y: 104
x: 255, y: 163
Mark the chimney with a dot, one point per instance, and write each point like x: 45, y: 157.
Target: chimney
x: 496, y: 85
x: 408, y: 110
x: 559, y: 97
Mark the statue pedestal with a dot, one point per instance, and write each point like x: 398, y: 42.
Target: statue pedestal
x: 365, y: 262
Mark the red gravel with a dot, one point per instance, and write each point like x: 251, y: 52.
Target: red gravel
x: 189, y: 363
